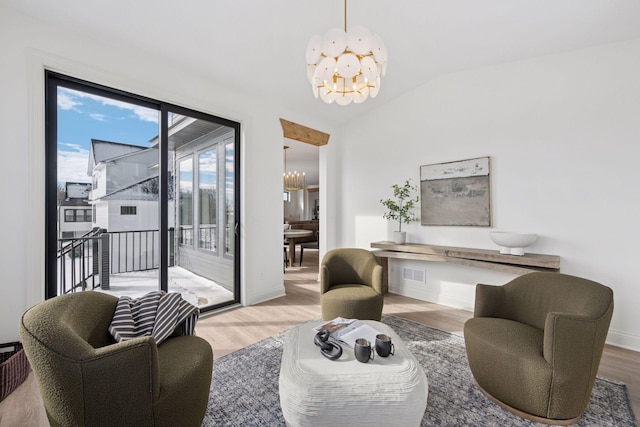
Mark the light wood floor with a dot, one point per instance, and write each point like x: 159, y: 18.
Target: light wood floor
x: 236, y: 328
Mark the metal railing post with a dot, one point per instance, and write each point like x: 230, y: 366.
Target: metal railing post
x: 104, y: 259
x: 95, y: 267
x: 172, y: 234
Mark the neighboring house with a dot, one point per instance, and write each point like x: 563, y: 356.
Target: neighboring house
x: 131, y: 208
x: 125, y: 200
x: 74, y: 211
x: 125, y: 186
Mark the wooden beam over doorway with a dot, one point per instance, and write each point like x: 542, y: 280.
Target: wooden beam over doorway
x: 304, y: 134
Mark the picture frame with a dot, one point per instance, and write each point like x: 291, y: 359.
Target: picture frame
x: 456, y: 193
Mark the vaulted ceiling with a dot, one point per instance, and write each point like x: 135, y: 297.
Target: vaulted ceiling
x: 258, y: 46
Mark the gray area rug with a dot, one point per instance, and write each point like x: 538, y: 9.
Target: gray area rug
x: 244, y: 388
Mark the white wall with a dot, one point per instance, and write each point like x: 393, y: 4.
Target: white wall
x: 294, y: 209
x: 563, y: 134
x: 300, y: 205
x: 27, y: 47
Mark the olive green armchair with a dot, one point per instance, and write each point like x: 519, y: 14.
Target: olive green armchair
x: 351, y: 285
x: 87, y: 379
x: 534, y: 345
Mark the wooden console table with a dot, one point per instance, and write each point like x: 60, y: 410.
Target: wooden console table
x: 481, y: 258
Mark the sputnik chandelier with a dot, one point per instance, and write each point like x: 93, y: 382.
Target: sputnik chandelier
x: 292, y: 180
x: 346, y: 66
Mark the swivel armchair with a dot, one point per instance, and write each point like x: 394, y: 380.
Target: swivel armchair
x: 534, y: 345
x: 351, y: 285
x: 87, y: 379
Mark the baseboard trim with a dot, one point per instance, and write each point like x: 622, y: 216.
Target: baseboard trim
x: 623, y: 340
x: 614, y: 337
x: 265, y: 296
x: 424, y: 294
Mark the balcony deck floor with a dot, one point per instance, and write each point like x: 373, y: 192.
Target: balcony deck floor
x: 196, y: 289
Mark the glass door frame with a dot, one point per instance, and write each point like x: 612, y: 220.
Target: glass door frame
x: 54, y: 80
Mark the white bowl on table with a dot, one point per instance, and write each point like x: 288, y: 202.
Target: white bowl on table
x: 512, y: 243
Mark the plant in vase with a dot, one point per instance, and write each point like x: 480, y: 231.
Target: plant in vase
x: 399, y: 208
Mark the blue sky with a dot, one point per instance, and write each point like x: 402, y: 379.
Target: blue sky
x: 83, y: 116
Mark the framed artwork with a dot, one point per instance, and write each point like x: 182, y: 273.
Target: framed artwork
x: 456, y: 193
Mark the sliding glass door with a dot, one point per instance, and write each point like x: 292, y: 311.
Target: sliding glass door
x: 141, y: 195
x: 205, y: 219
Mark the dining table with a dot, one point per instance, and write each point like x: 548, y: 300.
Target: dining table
x: 291, y: 236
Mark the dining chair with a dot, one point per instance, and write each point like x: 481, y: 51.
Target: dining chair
x: 309, y: 245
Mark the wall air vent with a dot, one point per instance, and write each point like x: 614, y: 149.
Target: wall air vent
x: 414, y: 275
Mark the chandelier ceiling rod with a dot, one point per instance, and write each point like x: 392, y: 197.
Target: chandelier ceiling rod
x: 345, y: 16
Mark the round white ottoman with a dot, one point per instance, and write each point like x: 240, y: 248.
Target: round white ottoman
x: 316, y: 391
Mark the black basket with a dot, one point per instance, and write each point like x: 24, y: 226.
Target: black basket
x: 14, y: 368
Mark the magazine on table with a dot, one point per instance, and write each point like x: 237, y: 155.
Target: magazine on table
x: 348, y: 330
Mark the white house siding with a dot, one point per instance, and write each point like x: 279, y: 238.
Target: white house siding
x: 99, y: 179
x: 131, y: 249
x: 101, y: 214
x: 216, y: 268
x: 146, y: 218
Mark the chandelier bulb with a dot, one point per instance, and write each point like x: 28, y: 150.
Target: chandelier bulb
x: 355, y: 55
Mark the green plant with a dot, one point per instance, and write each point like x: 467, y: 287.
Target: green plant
x: 399, y: 208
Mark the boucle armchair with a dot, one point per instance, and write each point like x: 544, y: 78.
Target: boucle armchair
x: 534, y: 345
x: 87, y: 379
x: 351, y: 285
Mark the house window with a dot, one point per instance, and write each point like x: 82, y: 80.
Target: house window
x: 77, y: 215
x: 207, y: 186
x: 185, y: 201
x: 127, y: 210
x: 229, y: 198
x: 84, y: 215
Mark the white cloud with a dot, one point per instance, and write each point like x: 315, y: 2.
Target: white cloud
x: 66, y: 102
x: 97, y: 116
x: 72, y: 163
x: 70, y: 96
x: 146, y: 114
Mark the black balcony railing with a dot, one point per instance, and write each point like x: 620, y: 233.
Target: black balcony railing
x: 76, y: 257
x: 89, y: 260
